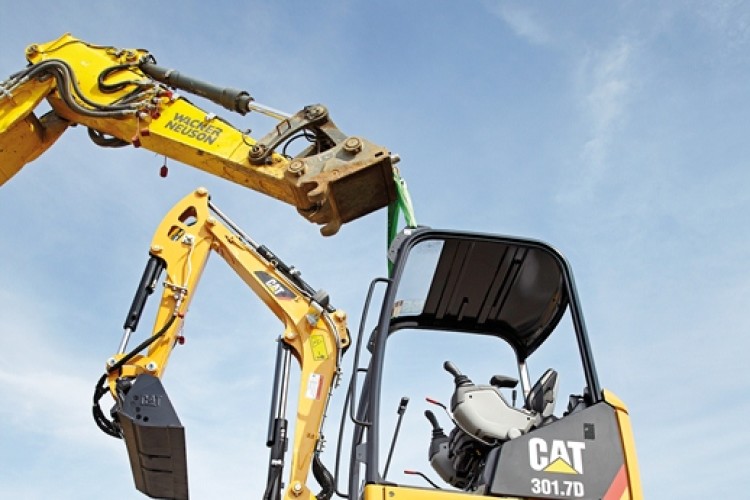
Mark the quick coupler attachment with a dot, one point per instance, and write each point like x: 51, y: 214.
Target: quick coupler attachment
x: 154, y: 437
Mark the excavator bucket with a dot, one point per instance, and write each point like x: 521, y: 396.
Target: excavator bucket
x: 155, y: 439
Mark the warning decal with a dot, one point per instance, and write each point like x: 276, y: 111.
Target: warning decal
x: 314, y: 386
x: 318, y: 347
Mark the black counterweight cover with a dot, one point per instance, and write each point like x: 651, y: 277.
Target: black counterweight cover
x: 578, y: 456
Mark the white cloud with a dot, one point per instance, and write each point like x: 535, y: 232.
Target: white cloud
x: 521, y: 20
x: 605, y: 83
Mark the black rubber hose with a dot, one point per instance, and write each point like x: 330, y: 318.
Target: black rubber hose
x: 324, y: 478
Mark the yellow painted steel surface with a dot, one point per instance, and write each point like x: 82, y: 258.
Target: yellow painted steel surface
x: 186, y: 237
x: 380, y: 492
x: 628, y: 445
x: 160, y: 121
x: 103, y: 88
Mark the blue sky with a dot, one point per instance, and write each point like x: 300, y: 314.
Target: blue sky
x: 614, y: 130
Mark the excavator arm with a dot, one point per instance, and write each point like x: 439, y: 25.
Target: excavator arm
x: 313, y: 332
x: 124, y: 98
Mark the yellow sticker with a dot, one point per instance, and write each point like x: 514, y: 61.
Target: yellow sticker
x: 318, y: 347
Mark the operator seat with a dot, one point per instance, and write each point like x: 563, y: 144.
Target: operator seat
x: 542, y: 396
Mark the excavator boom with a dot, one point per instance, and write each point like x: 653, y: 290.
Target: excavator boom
x: 124, y: 98
x: 314, y: 333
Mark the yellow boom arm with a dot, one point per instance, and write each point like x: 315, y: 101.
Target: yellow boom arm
x: 314, y: 333
x: 124, y: 98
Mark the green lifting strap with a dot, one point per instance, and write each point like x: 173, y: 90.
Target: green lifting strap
x: 402, y: 205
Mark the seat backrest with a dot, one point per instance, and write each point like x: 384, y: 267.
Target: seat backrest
x: 542, y: 396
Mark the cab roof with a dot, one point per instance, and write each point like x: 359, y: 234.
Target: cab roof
x: 511, y: 288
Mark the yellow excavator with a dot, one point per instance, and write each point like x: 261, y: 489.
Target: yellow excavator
x: 513, y: 292
x: 124, y: 98
x: 314, y: 333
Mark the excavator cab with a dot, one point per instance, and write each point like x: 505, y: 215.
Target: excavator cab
x: 486, y: 289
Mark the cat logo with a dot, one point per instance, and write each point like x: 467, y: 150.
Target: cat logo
x: 275, y: 286
x: 564, y: 457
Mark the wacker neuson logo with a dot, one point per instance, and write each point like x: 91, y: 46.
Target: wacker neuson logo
x: 565, y: 457
x: 193, y: 128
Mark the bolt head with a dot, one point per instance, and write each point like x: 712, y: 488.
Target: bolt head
x: 297, y: 168
x: 312, y: 112
x: 258, y: 150
x: 353, y: 145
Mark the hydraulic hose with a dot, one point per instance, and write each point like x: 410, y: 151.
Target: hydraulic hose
x: 108, y: 426
x: 324, y: 478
